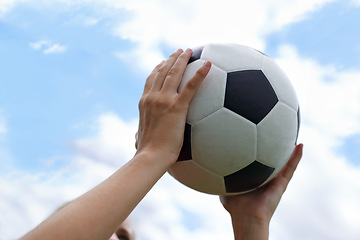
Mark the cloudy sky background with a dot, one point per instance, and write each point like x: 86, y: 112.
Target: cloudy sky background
x: 71, y: 75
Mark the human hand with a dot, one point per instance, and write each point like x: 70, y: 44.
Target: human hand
x: 251, y: 212
x: 163, y: 110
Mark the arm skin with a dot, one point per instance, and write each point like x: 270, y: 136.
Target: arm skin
x: 97, y: 213
x: 251, y: 212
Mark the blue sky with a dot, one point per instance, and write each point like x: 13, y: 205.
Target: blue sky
x: 52, y: 98
x: 328, y: 35
x: 71, y: 75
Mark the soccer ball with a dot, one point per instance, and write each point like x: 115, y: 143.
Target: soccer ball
x: 242, y: 124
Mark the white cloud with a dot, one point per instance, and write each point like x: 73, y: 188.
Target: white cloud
x: 39, y: 44
x: 3, y: 128
x: 29, y: 198
x: 193, y: 23
x: 7, y: 5
x: 47, y: 47
x: 355, y: 2
x: 325, y: 186
x: 115, y: 141
x: 329, y: 97
x: 177, y: 212
x: 84, y: 20
x: 55, y: 48
x: 158, y: 23
x: 90, y: 21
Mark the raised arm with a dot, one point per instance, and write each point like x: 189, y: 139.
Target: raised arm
x: 97, y: 213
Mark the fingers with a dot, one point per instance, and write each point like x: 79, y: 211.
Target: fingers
x: 289, y: 169
x: 176, y: 72
x: 168, y: 74
x: 281, y: 181
x: 194, y: 83
x: 164, y: 70
x: 150, y: 79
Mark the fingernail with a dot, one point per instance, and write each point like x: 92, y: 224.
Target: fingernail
x: 188, y: 50
x: 207, y: 64
x: 179, y: 50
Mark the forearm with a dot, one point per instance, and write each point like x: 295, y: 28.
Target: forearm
x: 250, y: 229
x: 97, y: 213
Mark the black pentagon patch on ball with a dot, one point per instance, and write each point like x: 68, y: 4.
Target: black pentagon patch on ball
x: 196, y: 54
x: 249, y: 94
x: 248, y: 178
x: 185, y: 153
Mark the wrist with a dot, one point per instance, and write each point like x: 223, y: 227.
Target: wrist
x: 250, y: 228
x: 156, y: 157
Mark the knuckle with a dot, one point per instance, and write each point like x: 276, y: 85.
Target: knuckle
x: 145, y: 100
x: 149, y: 100
x: 141, y: 102
x: 200, y: 73
x: 191, y: 85
x: 173, y: 72
x: 162, y: 69
x: 155, y: 101
x: 162, y: 102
